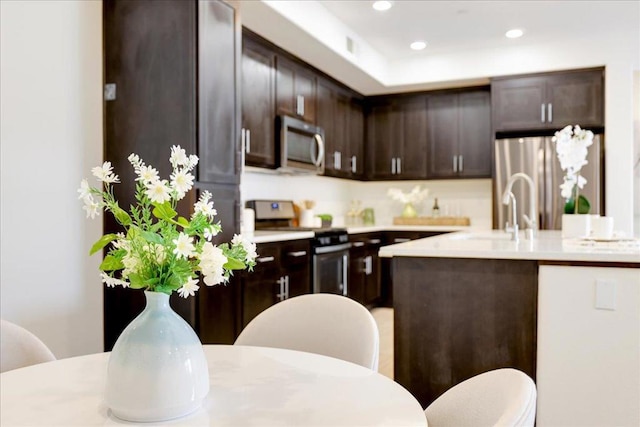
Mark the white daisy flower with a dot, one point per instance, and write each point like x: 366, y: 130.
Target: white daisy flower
x: 181, y: 181
x: 91, y: 206
x: 158, y: 191
x: 189, y: 288
x: 184, y: 246
x: 212, y: 260
x: 104, y: 173
x: 147, y: 174
x: 178, y: 157
x: 209, y: 233
x: 84, y: 189
x: 248, y: 246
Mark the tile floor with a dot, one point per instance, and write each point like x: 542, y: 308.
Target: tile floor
x: 384, y: 319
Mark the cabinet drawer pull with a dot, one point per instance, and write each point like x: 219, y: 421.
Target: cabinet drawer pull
x: 353, y: 164
x: 401, y: 240
x: 248, y: 146
x: 300, y: 105
x: 542, y: 119
x: 455, y: 163
x: 399, y: 166
x: 460, y: 164
x: 265, y: 259
x: 550, y: 110
x: 393, y: 166
x: 357, y: 244
x: 374, y: 241
x: 297, y: 254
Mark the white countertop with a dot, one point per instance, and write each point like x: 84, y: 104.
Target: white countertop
x: 496, y: 244
x: 261, y: 236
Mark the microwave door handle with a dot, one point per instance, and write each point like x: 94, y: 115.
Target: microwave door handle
x: 320, y: 143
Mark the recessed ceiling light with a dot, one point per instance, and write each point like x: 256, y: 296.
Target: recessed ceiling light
x: 514, y: 34
x: 382, y: 5
x: 418, y: 45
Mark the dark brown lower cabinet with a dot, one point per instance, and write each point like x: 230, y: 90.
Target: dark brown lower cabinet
x: 456, y: 318
x: 364, y: 269
x: 282, y: 271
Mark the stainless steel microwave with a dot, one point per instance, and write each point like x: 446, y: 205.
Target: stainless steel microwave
x: 301, y: 146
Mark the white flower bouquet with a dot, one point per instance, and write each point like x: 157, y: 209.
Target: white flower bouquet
x: 159, y: 250
x: 416, y: 195
x: 571, y: 148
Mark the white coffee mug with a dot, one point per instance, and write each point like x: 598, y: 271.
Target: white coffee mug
x: 602, y: 227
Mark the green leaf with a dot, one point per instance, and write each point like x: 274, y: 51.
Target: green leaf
x: 137, y: 281
x: 121, y: 216
x: 102, y: 242
x: 234, y: 264
x: 111, y: 263
x: 152, y: 237
x: 183, y: 222
x: 164, y: 211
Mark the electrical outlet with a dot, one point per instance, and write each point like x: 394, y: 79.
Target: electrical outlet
x: 605, y: 294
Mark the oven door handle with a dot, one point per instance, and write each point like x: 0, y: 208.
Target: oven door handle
x: 333, y: 248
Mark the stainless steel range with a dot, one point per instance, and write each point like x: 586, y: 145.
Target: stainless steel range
x: 330, y: 245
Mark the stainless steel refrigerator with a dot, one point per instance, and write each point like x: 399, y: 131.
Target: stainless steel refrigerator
x: 536, y: 156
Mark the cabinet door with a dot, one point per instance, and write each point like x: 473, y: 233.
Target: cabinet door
x: 382, y: 141
x: 442, y: 113
x: 474, y: 131
x: 356, y: 139
x: 357, y: 279
x: 575, y: 98
x: 295, y: 90
x: 261, y: 288
x: 218, y: 101
x: 258, y: 104
x: 412, y: 162
x: 296, y: 267
x: 373, y: 289
x: 519, y: 104
x: 326, y: 113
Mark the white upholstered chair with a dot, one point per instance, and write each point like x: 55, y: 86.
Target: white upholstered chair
x: 20, y: 348
x: 502, y: 397
x: 327, y: 324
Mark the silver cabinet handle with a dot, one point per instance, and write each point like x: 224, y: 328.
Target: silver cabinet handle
x: 455, y: 163
x: 248, y: 141
x: 400, y: 240
x: 345, y: 272
x: 353, y: 164
x: 286, y: 287
x: 320, y: 144
x: 460, y: 164
x: 357, y: 244
x: 300, y: 105
x: 542, y: 119
x: 393, y: 166
x: 297, y: 254
x: 281, y: 295
x: 265, y: 259
x: 399, y: 165
x: 336, y: 164
x: 368, y: 265
x: 243, y: 139
x: 550, y: 110
x: 374, y: 241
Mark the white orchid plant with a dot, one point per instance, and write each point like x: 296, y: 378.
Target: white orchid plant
x: 158, y: 250
x: 416, y: 195
x: 571, y: 147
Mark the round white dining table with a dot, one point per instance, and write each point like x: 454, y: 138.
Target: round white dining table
x: 250, y: 386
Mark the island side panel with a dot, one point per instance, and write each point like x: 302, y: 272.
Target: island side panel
x: 455, y: 318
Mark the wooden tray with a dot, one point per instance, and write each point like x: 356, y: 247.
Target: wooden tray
x: 429, y: 220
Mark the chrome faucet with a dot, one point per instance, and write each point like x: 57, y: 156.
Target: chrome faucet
x: 530, y: 220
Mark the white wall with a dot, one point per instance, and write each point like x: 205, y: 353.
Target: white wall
x: 51, y: 134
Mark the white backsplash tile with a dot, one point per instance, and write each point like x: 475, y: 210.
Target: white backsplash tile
x: 471, y: 198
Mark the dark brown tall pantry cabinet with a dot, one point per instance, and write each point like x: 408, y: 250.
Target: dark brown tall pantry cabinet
x: 172, y: 70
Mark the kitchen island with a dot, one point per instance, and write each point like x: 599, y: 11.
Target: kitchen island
x: 566, y: 312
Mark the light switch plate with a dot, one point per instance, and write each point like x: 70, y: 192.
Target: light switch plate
x: 605, y: 294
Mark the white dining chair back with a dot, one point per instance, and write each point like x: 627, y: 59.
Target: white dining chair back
x: 502, y: 397
x: 327, y: 324
x: 20, y: 348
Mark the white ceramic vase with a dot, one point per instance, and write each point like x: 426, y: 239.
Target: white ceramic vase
x: 157, y: 370
x: 575, y: 225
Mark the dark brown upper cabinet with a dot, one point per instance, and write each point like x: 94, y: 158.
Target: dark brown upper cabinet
x: 174, y: 66
x: 258, y: 104
x: 341, y: 117
x: 548, y: 101
x: 459, y: 129
x: 295, y: 90
x: 396, y: 138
